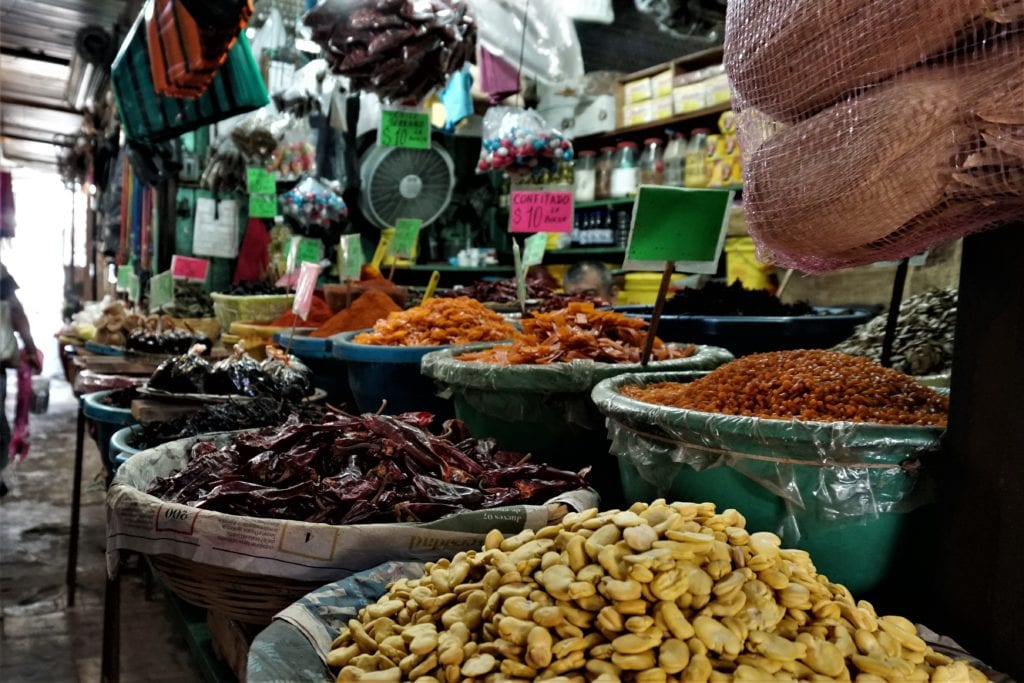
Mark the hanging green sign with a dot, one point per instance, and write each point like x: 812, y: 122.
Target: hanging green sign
x: 261, y: 181
x: 407, y: 237
x: 262, y: 206
x: 403, y: 128
x: 161, y: 291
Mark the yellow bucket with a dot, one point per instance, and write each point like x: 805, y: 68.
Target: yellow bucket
x: 641, y: 289
x: 389, y: 259
x: 741, y: 264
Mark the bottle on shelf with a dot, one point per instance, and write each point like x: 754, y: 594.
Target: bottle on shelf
x: 695, y: 174
x: 623, y: 218
x: 625, y: 173
x: 652, y: 166
x: 675, y: 160
x: 603, y: 173
x: 585, y: 177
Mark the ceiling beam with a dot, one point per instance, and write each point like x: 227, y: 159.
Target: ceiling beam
x: 38, y: 56
x: 4, y: 135
x: 36, y: 104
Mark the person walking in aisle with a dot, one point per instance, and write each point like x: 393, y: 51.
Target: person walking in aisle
x: 12, y: 320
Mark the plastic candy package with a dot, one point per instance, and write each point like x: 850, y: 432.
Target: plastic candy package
x: 258, y: 135
x: 399, y: 49
x: 314, y: 202
x: 295, y: 155
x: 520, y: 142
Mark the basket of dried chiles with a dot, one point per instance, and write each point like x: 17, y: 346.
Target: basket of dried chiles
x: 660, y: 592
x: 831, y: 449
x: 268, y: 514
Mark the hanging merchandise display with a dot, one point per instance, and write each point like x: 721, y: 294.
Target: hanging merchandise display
x: 147, y: 115
x: 314, y: 202
x: 400, y: 50
x: 521, y: 143
x: 877, y: 132
x: 498, y: 78
x: 185, y: 51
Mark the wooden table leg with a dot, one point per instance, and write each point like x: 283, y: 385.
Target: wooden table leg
x: 111, y: 662
x: 76, y: 503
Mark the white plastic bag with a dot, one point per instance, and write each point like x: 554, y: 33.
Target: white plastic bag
x: 551, y: 52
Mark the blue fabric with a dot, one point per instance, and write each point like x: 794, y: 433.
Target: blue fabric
x: 456, y: 98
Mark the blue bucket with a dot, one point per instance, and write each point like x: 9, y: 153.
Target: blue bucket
x: 108, y: 420
x: 390, y: 373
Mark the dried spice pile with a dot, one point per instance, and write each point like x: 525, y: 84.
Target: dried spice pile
x: 542, y: 296
x: 654, y: 594
x: 716, y: 298
x: 438, y: 322
x: 223, y: 417
x: 579, y: 332
x: 924, y: 336
x: 820, y: 386
x: 371, y: 468
x: 319, y: 312
x: 364, y: 312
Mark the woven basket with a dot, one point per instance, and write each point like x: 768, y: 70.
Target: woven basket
x: 248, y: 598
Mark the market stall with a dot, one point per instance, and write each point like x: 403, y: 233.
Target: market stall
x: 417, y: 350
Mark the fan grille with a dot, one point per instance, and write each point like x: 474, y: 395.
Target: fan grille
x: 406, y: 183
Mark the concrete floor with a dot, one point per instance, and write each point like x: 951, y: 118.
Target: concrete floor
x: 41, y: 638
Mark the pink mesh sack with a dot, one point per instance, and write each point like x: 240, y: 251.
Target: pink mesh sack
x: 875, y: 129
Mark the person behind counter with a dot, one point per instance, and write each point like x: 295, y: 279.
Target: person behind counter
x: 591, y: 279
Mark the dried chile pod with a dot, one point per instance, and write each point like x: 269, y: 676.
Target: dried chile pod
x: 390, y: 39
x: 373, y: 19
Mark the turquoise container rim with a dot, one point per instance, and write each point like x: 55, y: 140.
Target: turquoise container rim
x: 119, y: 441
x: 801, y: 438
x: 304, y: 346
x: 94, y: 410
x: 345, y: 349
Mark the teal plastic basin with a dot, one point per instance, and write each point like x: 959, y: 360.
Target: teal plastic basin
x: 841, y: 491
x: 108, y: 420
x: 390, y: 373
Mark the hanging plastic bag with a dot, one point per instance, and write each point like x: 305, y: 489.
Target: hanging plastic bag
x: 550, y: 51
x: 521, y: 143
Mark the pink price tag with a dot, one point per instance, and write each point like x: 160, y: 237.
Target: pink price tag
x: 538, y: 211
x: 189, y: 268
x: 308, y: 274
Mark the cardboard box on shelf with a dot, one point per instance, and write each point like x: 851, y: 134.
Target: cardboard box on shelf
x: 688, y: 98
x: 637, y: 91
x: 716, y: 90
x: 579, y: 116
x: 637, y: 114
x: 661, y: 108
x: 661, y: 84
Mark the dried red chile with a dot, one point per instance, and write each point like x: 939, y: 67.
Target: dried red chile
x: 360, y: 469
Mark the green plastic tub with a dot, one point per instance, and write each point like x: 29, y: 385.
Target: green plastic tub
x: 848, y: 493
x: 546, y: 410
x: 108, y: 420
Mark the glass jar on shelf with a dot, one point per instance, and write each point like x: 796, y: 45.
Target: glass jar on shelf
x: 695, y: 174
x: 584, y: 188
x: 675, y: 160
x: 652, y: 167
x: 625, y: 172
x: 603, y: 173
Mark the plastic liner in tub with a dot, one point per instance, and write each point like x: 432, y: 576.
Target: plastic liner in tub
x: 843, y: 491
x: 546, y: 410
x: 329, y: 373
x: 294, y: 646
x: 107, y: 419
x: 747, y: 334
x: 392, y: 373
x: 121, y: 445
x: 288, y: 549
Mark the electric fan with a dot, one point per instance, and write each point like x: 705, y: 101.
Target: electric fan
x: 405, y: 183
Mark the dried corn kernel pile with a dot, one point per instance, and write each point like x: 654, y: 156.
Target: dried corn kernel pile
x: 804, y: 385
x: 656, y: 593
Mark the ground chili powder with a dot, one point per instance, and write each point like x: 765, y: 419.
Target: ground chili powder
x: 364, y: 312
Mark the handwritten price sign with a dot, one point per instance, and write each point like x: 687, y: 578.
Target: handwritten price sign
x: 408, y: 129
x: 538, y: 211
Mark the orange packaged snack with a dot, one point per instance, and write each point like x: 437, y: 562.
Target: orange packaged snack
x: 819, y: 386
x: 439, y: 322
x: 579, y: 332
